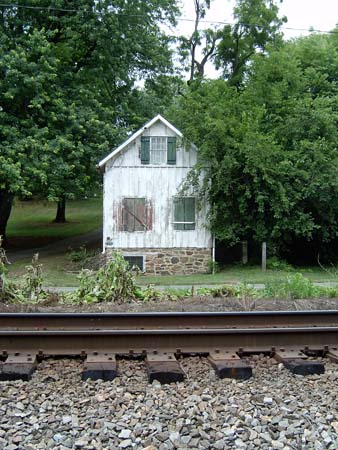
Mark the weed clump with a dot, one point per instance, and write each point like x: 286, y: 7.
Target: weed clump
x: 113, y: 282
x: 82, y: 258
x: 293, y: 287
x: 7, y: 288
x: 30, y: 290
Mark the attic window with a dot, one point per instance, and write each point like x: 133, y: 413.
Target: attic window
x: 158, y: 150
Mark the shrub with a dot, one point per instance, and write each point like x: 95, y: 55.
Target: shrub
x: 213, y: 266
x: 113, y: 282
x: 7, y: 288
x: 81, y: 258
x: 32, y: 286
x: 275, y: 263
x: 292, y: 287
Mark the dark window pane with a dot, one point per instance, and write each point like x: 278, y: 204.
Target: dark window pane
x: 135, y: 261
x: 184, y: 212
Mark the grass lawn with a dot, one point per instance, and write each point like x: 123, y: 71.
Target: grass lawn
x: 34, y: 219
x: 31, y: 223
x: 240, y: 274
x: 57, y: 271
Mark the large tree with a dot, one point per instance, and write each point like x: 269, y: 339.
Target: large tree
x: 257, y: 26
x: 232, y: 48
x: 297, y: 87
x: 67, y: 71
x: 269, y: 151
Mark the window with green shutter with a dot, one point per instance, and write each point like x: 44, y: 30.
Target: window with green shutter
x: 184, y: 213
x: 158, y: 150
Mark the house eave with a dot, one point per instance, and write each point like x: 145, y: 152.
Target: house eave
x: 134, y: 136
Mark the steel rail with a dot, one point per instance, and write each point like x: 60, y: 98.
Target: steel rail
x: 81, y: 342
x: 78, y: 334
x: 166, y: 320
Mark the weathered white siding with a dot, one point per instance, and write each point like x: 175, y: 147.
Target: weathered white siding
x: 125, y: 176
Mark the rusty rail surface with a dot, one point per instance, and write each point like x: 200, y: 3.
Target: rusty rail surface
x: 162, y: 320
x: 162, y: 337
x: 57, y: 334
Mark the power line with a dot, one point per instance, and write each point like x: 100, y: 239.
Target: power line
x: 214, y: 22
x: 180, y: 19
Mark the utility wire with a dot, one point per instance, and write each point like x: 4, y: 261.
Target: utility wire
x: 180, y: 19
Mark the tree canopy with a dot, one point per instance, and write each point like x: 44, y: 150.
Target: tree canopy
x: 269, y: 151
x: 76, y: 76
x: 67, y: 73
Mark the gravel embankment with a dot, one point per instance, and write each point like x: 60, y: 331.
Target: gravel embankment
x: 272, y: 410
x: 195, y: 303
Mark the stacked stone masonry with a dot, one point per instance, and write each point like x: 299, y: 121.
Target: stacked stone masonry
x: 171, y: 261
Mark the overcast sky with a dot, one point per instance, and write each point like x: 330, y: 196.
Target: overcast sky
x: 301, y: 14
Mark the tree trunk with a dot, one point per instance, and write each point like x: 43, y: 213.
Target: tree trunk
x: 61, y: 211
x: 6, y: 202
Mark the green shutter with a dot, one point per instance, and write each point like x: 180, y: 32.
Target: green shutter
x: 189, y: 213
x: 145, y: 150
x: 179, y: 213
x: 184, y: 211
x: 171, y: 150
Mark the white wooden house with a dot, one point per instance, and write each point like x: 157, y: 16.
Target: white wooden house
x: 143, y: 214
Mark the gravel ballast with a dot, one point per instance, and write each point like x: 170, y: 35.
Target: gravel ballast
x: 195, y: 303
x: 272, y: 410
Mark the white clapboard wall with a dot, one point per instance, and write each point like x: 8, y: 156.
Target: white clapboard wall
x: 126, y: 177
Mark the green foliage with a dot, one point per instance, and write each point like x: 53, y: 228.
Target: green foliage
x: 244, y: 292
x: 296, y: 87
x: 66, y: 82
x: 32, y: 219
x: 331, y: 292
x: 213, y: 267
x: 238, y: 290
x: 259, y: 147
x: 256, y: 26
x: 7, y: 288
x: 82, y: 258
x: 114, y: 282
x: 275, y: 263
x: 32, y: 286
x: 293, y: 287
x: 147, y: 294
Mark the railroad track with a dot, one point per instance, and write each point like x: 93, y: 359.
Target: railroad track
x: 293, y: 338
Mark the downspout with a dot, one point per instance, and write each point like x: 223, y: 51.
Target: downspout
x: 102, y: 171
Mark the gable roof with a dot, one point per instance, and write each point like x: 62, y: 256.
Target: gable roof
x: 104, y: 161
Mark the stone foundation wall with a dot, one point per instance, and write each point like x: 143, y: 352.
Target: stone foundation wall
x: 171, y: 261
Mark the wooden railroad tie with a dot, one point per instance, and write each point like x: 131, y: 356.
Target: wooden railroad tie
x: 100, y: 366
x: 165, y: 368
x: 18, y: 366
x: 228, y: 364
x: 297, y: 362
